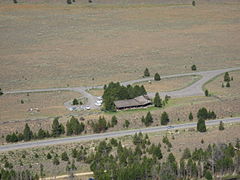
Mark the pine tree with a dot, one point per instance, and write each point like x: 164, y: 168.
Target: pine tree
x: 148, y: 120
x: 27, y: 133
x: 206, y: 93
x: 157, y: 77
x: 228, y: 84
x: 57, y: 129
x: 190, y: 117
x: 221, y: 126
x: 157, y: 100
x: 226, y: 77
x: 201, y: 126
x: 194, y: 67
x: 69, y: 2
x: 114, y: 121
x: 164, y: 118
x: 75, y: 102
x: 64, y: 156
x: 1, y: 93
x: 146, y: 73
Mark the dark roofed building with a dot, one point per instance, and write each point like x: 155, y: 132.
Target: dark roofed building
x: 140, y: 101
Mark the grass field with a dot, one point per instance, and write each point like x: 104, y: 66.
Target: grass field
x: 50, y: 104
x: 169, y: 84
x: 55, y: 45
x: 215, y: 86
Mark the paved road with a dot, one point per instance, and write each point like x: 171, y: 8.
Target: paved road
x: 193, y: 90
x: 41, y: 143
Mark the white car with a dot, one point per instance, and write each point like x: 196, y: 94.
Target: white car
x: 97, y: 104
x: 99, y: 98
x: 87, y: 108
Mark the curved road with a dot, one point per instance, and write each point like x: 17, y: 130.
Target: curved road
x: 194, y: 89
x: 10, y: 147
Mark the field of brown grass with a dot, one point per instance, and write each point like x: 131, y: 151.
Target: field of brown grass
x: 215, y: 86
x: 169, y: 84
x: 55, y: 45
x: 49, y: 104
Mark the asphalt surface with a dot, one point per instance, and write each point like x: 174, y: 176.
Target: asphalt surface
x: 10, y: 147
x: 194, y: 89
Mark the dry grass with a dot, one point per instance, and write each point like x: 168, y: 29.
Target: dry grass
x: 96, y: 92
x: 49, y: 103
x: 169, y: 84
x: 46, y: 45
x: 215, y: 86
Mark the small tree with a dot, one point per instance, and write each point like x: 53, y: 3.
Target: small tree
x: 1, y: 93
x: 64, y: 156
x: 228, y: 84
x: 27, y: 133
x: 75, y: 102
x: 114, y: 121
x: 190, y: 117
x: 201, y: 126
x: 194, y: 67
x: 157, y: 100
x: 208, y: 175
x: 221, y: 126
x: 148, y: 119
x: 193, y: 3
x: 69, y: 2
x: 146, y: 73
x: 206, y: 93
x: 49, y: 156
x: 15, y: 1
x: 164, y: 118
x: 157, y: 77
x: 226, y: 77
x: 126, y: 124
x: 56, y: 160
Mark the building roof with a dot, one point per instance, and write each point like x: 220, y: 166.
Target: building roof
x: 137, y: 101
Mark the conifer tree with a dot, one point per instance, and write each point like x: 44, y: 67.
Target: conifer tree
x: 157, y: 100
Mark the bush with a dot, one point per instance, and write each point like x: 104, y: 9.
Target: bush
x: 221, y: 126
x: 157, y: 77
x: 69, y: 2
x: 194, y: 67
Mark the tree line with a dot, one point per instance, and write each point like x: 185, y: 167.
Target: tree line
x: 73, y: 127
